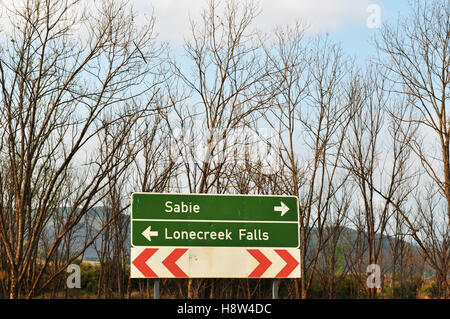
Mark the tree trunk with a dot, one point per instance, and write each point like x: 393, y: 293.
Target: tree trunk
x: 13, y: 292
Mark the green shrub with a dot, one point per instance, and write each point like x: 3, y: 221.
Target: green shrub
x: 429, y: 290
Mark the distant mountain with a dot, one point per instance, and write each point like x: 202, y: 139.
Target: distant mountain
x: 350, y: 238
x: 347, y: 238
x: 89, y: 226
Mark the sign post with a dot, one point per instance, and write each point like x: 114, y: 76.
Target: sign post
x: 214, y: 236
x: 156, y: 288
x: 275, y: 284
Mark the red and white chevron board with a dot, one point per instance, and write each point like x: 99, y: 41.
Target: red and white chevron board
x: 214, y: 262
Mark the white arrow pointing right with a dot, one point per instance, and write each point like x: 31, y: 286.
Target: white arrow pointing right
x: 283, y: 209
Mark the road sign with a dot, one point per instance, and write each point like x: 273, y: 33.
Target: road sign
x: 214, y: 236
x: 203, y: 220
x: 214, y: 262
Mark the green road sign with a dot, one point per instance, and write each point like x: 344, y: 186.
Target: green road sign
x: 214, y: 220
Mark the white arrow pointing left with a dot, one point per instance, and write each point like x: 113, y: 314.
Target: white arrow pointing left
x: 283, y: 208
x: 148, y: 233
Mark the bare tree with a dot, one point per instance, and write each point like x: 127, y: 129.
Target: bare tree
x: 225, y: 87
x: 58, y: 92
x: 311, y: 105
x: 155, y: 167
x: 373, y: 161
x: 332, y: 269
x: 112, y: 247
x: 416, y: 57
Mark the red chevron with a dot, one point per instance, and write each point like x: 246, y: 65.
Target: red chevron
x: 291, y: 263
x: 140, y: 262
x: 264, y: 263
x: 170, y: 262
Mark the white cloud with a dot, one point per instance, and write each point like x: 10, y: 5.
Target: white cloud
x: 320, y: 14
x: 173, y: 15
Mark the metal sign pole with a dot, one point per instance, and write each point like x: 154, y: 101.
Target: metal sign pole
x: 275, y: 283
x: 156, y: 288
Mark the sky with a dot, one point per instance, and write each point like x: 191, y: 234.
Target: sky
x: 346, y: 21
x: 350, y: 22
